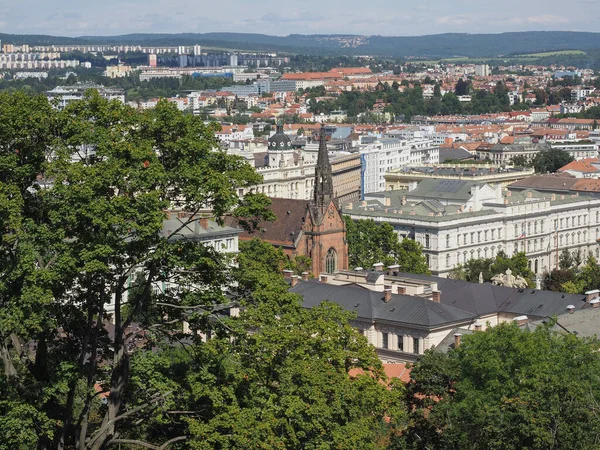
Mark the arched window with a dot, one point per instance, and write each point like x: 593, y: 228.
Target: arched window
x: 331, y: 261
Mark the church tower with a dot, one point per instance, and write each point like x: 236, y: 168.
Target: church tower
x: 324, y: 227
x: 323, y: 191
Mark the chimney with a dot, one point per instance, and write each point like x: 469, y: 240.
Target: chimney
x: 388, y: 201
x: 553, y: 197
x: 387, y: 295
x: 203, y: 221
x: 287, y: 274
x: 403, y: 202
x: 457, y: 337
x: 378, y: 267
x: 478, y: 327
x: 392, y: 269
x: 305, y: 276
x: 436, y: 296
x: 591, y: 295
x: 571, y: 309
x: 508, y: 193
x: 387, y: 286
x: 595, y: 303
x: 506, y: 201
x: 402, y: 290
x: 324, y: 278
x: 529, y: 194
x: 294, y: 280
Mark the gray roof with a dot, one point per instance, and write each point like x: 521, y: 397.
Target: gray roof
x: 486, y: 298
x: 444, y: 189
x: 194, y: 230
x: 584, y: 323
x: 454, y: 154
x: 369, y: 305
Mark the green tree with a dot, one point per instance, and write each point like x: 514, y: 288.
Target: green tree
x: 370, y: 243
x: 507, y: 388
x: 551, y: 160
x: 94, y: 236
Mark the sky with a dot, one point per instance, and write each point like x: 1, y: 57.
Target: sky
x: 283, y: 17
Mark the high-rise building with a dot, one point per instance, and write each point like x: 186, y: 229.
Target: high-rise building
x: 233, y: 60
x: 482, y: 70
x: 197, y: 50
x: 152, y: 60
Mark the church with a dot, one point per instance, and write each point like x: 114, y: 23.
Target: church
x: 314, y: 228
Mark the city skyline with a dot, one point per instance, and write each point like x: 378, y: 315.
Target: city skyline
x: 379, y: 17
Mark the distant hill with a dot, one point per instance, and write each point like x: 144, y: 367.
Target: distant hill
x: 430, y: 46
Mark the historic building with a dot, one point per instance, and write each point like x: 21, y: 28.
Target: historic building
x: 313, y: 228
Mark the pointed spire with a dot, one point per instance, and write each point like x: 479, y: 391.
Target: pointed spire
x: 323, y: 178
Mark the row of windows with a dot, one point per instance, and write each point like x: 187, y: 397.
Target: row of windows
x: 473, y: 237
x: 386, y: 339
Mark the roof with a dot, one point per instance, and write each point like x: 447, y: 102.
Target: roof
x: 587, y: 165
x: 444, y: 189
x: 369, y: 305
x: 485, y: 298
x: 194, y: 229
x: 455, y: 154
x: 562, y: 182
x: 285, y: 229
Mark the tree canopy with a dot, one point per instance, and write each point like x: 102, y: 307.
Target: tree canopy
x: 551, y: 160
x: 507, y: 388
x: 370, y: 243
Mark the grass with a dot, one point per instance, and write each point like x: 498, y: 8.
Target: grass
x: 552, y: 53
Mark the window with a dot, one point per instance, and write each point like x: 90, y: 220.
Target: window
x: 555, y: 224
x: 427, y: 241
x: 331, y: 261
x: 561, y: 222
x: 493, y: 234
x: 516, y: 230
x: 416, y: 345
x: 485, y: 235
x: 448, y: 260
x: 427, y: 259
x: 401, y: 343
x: 479, y: 236
x: 535, y: 227
x: 385, y: 340
x: 465, y: 239
x: 447, y: 241
x: 472, y: 237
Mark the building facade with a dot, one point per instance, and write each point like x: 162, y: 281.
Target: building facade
x: 456, y: 221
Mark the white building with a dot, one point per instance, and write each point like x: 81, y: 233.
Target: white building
x: 458, y: 220
x: 386, y: 154
x: 68, y: 94
x: 482, y: 70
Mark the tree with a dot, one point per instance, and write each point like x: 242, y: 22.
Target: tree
x: 370, y: 243
x: 507, y: 388
x: 437, y: 91
x: 565, y: 261
x: 462, y: 87
x: 488, y: 267
x: 520, y: 161
x: 551, y: 160
x: 92, y: 237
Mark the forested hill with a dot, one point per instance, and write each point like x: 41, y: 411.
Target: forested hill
x: 430, y: 46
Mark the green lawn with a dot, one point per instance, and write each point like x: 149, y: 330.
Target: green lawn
x: 554, y: 53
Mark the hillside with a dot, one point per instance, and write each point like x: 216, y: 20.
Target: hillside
x: 430, y: 46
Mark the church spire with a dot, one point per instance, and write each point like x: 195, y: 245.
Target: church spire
x: 323, y: 178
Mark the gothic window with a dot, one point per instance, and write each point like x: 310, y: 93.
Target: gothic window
x: 331, y: 261
x: 427, y: 241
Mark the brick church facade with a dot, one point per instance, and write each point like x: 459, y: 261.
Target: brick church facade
x: 313, y: 228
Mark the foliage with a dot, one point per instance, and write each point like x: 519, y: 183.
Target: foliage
x: 489, y: 267
x: 507, y: 388
x: 76, y: 242
x: 551, y: 160
x: 370, y: 243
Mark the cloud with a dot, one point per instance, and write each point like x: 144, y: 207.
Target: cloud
x: 454, y: 20
x: 547, y: 19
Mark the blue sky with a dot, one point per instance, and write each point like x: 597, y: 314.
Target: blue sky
x: 384, y: 17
